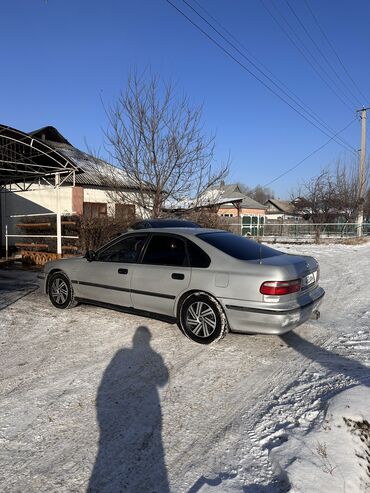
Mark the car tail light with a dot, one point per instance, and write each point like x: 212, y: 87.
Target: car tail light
x: 279, y: 288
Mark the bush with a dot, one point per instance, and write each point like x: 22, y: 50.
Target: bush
x: 207, y: 219
x: 97, y: 231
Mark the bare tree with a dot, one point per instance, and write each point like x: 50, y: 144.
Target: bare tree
x: 331, y: 196
x: 315, y: 198
x: 158, y: 147
x: 259, y: 192
x: 367, y: 206
x: 262, y: 194
x: 345, y: 198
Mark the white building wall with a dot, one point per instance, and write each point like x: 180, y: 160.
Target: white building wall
x: 40, y: 200
x: 43, y: 199
x: 99, y: 196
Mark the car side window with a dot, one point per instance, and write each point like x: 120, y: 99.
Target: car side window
x: 165, y: 250
x: 126, y: 250
x: 197, y: 257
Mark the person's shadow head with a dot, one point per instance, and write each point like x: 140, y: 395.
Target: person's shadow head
x: 142, y: 337
x: 130, y: 457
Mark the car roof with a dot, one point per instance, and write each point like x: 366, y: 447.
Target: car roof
x: 179, y: 231
x: 164, y: 223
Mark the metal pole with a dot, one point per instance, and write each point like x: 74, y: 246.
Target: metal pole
x: 6, y: 242
x: 59, y: 217
x: 361, y: 174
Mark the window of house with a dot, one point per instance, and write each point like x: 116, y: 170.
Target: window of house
x: 126, y: 250
x: 125, y: 212
x: 95, y: 209
x: 165, y: 250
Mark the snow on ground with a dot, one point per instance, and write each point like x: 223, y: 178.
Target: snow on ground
x: 334, y: 456
x: 116, y: 402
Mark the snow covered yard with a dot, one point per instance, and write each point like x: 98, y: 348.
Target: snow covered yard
x: 92, y: 398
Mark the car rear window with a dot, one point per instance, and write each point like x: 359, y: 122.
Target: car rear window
x: 197, y: 257
x: 238, y: 246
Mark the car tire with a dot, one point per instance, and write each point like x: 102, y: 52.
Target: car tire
x: 60, y: 291
x: 202, y: 319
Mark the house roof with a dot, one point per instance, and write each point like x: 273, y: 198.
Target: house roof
x: 228, y: 189
x: 189, y: 206
x: 49, y: 133
x: 93, y: 169
x: 282, y: 205
x: 233, y: 191
x: 246, y: 203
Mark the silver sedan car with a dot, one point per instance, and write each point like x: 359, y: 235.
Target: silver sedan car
x: 208, y: 281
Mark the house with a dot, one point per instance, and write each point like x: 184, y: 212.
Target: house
x: 280, y: 210
x: 87, y: 193
x: 233, y: 203
x: 82, y: 191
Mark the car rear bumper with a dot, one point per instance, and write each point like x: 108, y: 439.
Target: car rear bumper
x: 259, y: 318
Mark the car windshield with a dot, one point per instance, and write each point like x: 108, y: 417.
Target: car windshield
x: 238, y: 246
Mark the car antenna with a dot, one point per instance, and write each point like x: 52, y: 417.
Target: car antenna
x: 259, y: 241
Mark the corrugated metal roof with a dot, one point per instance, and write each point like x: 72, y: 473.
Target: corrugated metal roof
x: 93, y: 169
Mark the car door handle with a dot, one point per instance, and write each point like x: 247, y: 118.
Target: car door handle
x: 176, y: 275
x: 122, y: 271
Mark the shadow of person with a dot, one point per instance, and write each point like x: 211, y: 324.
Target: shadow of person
x: 333, y: 362
x: 131, y: 456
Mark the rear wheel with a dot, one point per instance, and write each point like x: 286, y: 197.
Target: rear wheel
x: 60, y: 291
x: 202, y: 318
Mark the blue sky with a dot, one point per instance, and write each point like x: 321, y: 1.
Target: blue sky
x: 60, y: 59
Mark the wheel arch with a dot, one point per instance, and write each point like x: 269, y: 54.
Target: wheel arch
x: 188, y: 293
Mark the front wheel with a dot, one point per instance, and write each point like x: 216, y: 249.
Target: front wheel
x: 60, y: 291
x: 202, y: 318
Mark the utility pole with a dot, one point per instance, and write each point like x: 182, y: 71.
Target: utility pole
x: 361, y: 174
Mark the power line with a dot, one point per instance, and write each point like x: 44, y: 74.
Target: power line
x: 296, y: 99
x: 321, y: 52
x: 316, y: 61
x: 301, y: 51
x: 246, y: 68
x: 309, y: 155
x: 334, y: 51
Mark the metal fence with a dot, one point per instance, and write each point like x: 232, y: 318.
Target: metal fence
x: 58, y: 237
x: 311, y: 230
x: 301, y: 230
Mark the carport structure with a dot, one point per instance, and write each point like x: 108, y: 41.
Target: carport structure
x: 26, y: 161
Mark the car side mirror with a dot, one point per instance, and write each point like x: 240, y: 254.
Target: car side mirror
x: 90, y: 255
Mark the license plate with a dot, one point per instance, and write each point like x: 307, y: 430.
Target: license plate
x: 310, y: 279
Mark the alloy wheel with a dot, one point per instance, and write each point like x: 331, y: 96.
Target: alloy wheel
x: 201, y: 319
x: 59, y: 291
